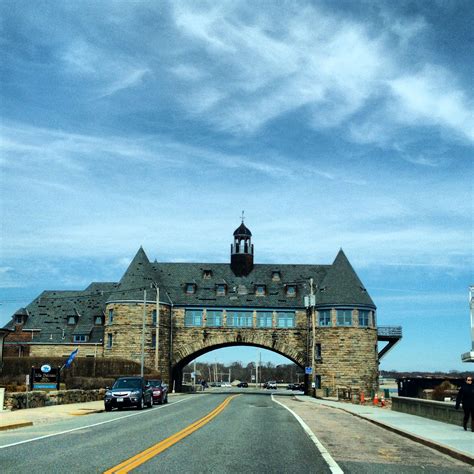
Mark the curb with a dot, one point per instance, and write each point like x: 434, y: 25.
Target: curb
x: 419, y: 439
x: 16, y: 424
x: 86, y: 411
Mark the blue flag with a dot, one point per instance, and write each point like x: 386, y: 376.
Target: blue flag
x: 71, y: 358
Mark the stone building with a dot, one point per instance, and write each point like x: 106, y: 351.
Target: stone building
x: 318, y: 316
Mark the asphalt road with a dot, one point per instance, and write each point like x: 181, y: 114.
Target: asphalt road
x: 248, y: 433
x: 219, y: 432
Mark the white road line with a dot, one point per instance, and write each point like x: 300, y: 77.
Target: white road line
x: 94, y: 424
x: 333, y: 466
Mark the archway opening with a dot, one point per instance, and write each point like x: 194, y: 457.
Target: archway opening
x: 233, y: 363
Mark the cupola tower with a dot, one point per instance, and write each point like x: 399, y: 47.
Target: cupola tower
x: 241, y: 251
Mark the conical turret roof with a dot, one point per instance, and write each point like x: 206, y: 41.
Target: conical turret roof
x: 242, y: 231
x: 342, y: 286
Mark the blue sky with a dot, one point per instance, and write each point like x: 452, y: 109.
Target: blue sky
x: 332, y: 124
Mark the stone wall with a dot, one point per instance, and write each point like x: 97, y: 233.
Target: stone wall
x: 348, y: 359
x: 19, y: 400
x: 440, y: 411
x: 126, y: 332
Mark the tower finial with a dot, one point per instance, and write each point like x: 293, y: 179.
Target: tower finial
x: 242, y: 217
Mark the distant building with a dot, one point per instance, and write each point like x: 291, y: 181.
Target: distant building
x: 469, y: 356
x: 174, y: 312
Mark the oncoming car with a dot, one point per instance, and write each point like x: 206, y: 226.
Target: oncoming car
x: 128, y: 392
x: 160, y: 391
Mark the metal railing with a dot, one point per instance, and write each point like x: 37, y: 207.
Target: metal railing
x: 389, y: 331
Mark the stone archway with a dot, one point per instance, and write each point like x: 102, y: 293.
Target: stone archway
x: 196, y: 350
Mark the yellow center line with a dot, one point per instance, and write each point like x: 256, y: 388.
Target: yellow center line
x: 144, y: 456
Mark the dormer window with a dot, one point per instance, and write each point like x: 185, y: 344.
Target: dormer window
x: 260, y: 290
x: 71, y: 320
x: 207, y: 274
x: 190, y: 288
x: 221, y: 289
x: 291, y: 290
x: 98, y: 320
x: 18, y: 319
x: 80, y: 337
x: 276, y: 275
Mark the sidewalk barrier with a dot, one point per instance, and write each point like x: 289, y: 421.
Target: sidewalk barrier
x: 362, y: 398
x: 2, y: 398
x: 376, y: 399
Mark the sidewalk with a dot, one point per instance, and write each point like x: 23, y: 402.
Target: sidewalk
x: 35, y: 416
x: 444, y: 437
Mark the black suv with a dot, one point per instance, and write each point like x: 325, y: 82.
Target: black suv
x: 128, y: 392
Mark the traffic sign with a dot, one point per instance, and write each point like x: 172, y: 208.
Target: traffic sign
x: 308, y: 370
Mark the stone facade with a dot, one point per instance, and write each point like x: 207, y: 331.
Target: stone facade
x: 271, y: 306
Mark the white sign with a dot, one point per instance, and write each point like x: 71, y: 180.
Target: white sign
x: 46, y: 368
x: 253, y: 377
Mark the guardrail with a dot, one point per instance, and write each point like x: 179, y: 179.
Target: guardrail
x: 393, y: 331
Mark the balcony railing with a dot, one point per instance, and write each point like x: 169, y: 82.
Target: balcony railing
x: 389, y: 331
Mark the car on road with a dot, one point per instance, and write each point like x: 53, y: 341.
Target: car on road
x: 226, y: 384
x: 160, y: 391
x: 243, y: 385
x: 296, y: 386
x: 128, y: 392
x: 271, y: 384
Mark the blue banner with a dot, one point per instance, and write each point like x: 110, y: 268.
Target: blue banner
x: 71, y: 358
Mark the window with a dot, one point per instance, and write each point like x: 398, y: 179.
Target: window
x: 344, y: 317
x: 286, y: 319
x: 363, y: 318
x: 80, y: 338
x: 260, y: 290
x: 153, y: 318
x: 317, y: 351
x: 264, y: 319
x: 291, y: 290
x: 109, y: 341
x: 221, y: 289
x: 19, y: 319
x: 325, y: 318
x: 207, y: 274
x: 71, y: 320
x: 276, y: 275
x: 317, y: 381
x: 153, y: 339
x: 193, y: 317
x: 190, y: 288
x: 111, y: 316
x: 214, y: 318
x: 98, y: 320
x: 240, y: 319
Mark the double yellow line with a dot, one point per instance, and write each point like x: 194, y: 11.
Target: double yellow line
x: 144, y: 456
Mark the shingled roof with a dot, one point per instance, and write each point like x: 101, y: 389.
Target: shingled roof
x: 342, y: 286
x: 336, y: 285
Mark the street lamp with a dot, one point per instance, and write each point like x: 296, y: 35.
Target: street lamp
x: 310, y: 302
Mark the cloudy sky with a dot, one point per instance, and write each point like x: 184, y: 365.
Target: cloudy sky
x: 332, y: 124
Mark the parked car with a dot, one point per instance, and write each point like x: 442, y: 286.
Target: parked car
x: 243, y: 385
x: 271, y: 384
x: 128, y: 392
x: 160, y: 391
x: 298, y: 386
x: 226, y: 384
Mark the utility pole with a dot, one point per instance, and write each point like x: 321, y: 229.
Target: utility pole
x: 310, y: 302
x: 143, y: 334
x: 157, y: 331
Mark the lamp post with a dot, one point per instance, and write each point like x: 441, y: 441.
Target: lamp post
x: 310, y: 302
x: 143, y: 334
x: 157, y: 329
